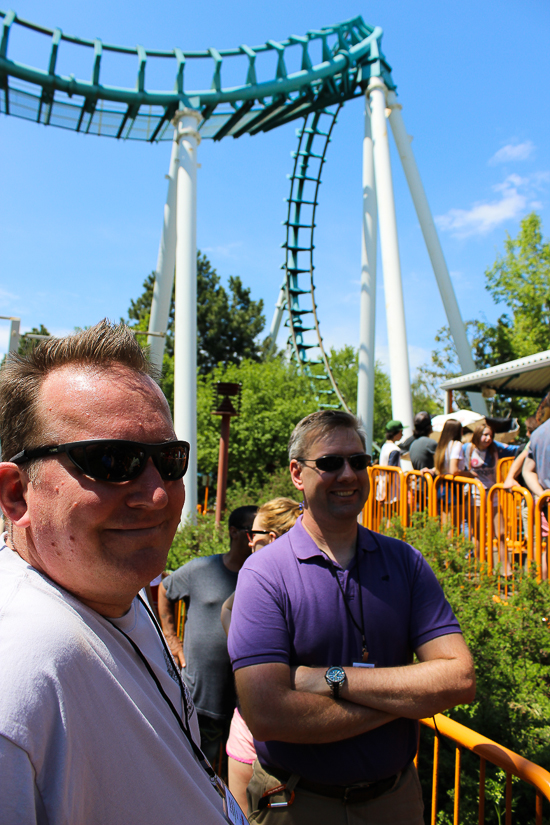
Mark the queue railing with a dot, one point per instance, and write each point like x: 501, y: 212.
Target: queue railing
x: 490, y: 752
x: 498, y: 522
x: 503, y: 466
x: 459, y: 504
x: 385, y: 500
x: 510, y: 534
x: 417, y: 487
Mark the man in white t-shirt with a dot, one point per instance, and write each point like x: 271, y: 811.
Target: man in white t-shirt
x: 95, y: 726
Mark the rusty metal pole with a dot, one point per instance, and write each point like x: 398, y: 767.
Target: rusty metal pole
x: 224, y: 391
x: 222, y: 467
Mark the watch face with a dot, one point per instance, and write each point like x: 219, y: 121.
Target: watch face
x: 336, y: 674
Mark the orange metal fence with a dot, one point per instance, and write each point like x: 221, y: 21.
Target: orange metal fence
x: 503, y: 466
x: 459, y: 503
x: 509, y: 528
x: 488, y: 751
x: 385, y: 499
x: 417, y: 492
x: 506, y: 527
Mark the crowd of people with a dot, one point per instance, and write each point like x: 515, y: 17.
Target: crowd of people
x: 474, y: 456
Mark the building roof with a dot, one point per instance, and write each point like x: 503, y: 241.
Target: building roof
x: 528, y: 377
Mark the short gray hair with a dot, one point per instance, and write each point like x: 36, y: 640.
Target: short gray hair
x: 318, y: 424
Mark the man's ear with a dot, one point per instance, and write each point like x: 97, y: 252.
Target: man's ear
x: 296, y: 474
x: 233, y: 532
x: 13, y: 494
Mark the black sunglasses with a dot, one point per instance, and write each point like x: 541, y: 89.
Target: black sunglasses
x: 115, y: 460
x: 251, y: 533
x: 333, y: 463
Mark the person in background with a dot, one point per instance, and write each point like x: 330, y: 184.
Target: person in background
x: 514, y: 476
x: 449, y: 456
x: 387, y: 485
x: 422, y: 448
x: 483, y: 452
x: 325, y: 624
x: 481, y: 456
x: 204, y: 584
x: 390, y: 454
x: 536, y: 468
x: 273, y: 519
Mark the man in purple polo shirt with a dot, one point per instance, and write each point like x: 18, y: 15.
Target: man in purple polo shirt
x: 325, y: 624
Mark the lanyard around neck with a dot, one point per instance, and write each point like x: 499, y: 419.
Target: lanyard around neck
x: 360, y: 628
x: 182, y: 723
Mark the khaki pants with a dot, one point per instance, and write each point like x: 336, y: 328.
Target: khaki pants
x: 401, y: 805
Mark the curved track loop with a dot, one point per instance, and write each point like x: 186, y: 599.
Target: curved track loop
x: 309, y: 159
x: 240, y: 90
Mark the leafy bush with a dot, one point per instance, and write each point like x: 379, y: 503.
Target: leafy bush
x: 510, y: 641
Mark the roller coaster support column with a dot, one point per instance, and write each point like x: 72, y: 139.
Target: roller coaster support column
x: 456, y: 324
x: 393, y: 287
x: 185, y: 338
x: 166, y: 261
x: 365, y: 381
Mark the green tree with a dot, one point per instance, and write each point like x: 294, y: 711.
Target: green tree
x: 27, y: 344
x: 275, y: 396
x: 228, y: 322
x: 519, y: 279
x: 344, y: 363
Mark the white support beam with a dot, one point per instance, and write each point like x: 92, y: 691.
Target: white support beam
x: 185, y: 343
x: 277, y: 318
x: 393, y: 287
x: 441, y: 272
x: 367, y: 301
x: 166, y: 262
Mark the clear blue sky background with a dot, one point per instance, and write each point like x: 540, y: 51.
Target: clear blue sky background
x: 80, y: 216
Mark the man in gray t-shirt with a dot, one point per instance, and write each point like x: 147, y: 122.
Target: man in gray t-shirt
x: 204, y: 584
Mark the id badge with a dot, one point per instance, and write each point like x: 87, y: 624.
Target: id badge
x: 231, y: 808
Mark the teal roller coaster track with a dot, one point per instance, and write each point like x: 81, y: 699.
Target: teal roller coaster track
x: 305, y: 77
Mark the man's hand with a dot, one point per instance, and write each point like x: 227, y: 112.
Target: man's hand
x: 176, y: 649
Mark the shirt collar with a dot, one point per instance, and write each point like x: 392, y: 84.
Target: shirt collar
x: 304, y: 547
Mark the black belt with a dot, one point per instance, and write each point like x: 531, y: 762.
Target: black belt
x: 359, y: 792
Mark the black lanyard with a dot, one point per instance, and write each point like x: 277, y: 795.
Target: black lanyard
x: 361, y: 628
x: 201, y: 758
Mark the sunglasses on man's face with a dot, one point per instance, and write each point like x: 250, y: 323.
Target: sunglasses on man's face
x: 116, y: 460
x: 333, y: 463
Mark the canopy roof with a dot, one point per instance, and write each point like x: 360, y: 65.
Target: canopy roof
x: 529, y: 377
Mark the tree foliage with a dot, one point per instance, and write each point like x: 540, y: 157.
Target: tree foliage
x: 519, y: 279
x: 228, y: 321
x: 510, y: 642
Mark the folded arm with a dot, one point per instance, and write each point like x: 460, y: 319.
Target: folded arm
x: 273, y: 709
x: 443, y: 677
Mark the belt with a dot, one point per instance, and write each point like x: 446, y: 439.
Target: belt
x: 359, y: 792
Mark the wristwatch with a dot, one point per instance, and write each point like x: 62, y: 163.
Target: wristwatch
x: 335, y: 677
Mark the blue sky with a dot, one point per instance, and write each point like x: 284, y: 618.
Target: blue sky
x: 80, y: 216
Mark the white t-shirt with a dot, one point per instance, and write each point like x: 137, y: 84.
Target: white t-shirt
x: 85, y: 736
x: 453, y: 450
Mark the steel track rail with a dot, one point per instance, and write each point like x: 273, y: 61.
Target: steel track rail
x: 305, y: 181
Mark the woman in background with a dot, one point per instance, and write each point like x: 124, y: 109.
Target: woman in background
x: 273, y: 519
x: 482, y: 456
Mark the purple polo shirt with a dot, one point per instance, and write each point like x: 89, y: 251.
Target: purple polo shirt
x: 289, y: 608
